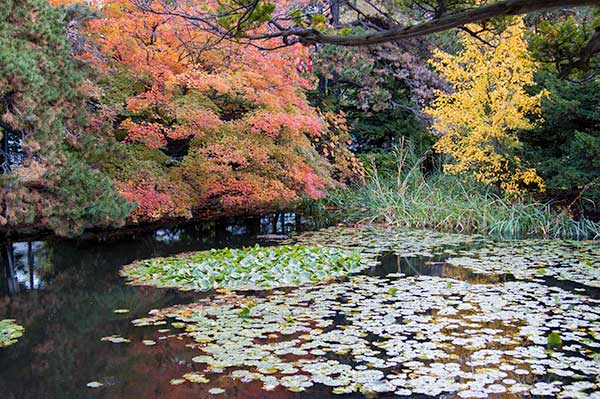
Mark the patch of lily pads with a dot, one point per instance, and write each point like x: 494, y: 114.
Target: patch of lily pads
x: 395, y: 334
x: 564, y: 260
x: 575, y: 261
x: 376, y: 240
x: 254, y: 268
x: 10, y: 332
x: 404, y: 336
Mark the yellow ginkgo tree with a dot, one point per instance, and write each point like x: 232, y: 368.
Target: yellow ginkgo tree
x: 478, y: 119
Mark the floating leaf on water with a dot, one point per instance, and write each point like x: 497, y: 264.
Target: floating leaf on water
x: 94, y: 384
x: 252, y: 268
x: 196, y: 377
x: 10, y: 332
x: 115, y: 339
x: 554, y: 340
x: 429, y: 338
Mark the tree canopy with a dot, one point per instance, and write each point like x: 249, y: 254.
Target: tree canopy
x: 135, y: 111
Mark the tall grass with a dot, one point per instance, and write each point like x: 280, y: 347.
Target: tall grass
x: 407, y: 197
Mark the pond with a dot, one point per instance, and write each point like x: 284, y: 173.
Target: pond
x: 427, y: 315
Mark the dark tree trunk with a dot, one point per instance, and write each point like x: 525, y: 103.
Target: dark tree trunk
x: 335, y: 12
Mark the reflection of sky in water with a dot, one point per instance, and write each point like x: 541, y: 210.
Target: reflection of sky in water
x: 181, y: 238
x: 280, y: 223
x: 237, y: 230
x: 167, y: 235
x: 493, y: 325
x: 22, y: 271
x: 283, y: 223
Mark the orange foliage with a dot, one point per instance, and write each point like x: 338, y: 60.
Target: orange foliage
x: 243, y: 109
x: 151, y: 134
x: 275, y: 123
x: 155, y: 198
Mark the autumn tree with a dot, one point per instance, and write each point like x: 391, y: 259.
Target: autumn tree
x: 478, y: 120
x: 208, y: 128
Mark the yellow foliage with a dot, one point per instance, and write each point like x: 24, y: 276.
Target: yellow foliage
x: 478, y: 119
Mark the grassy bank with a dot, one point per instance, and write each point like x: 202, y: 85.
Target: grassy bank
x: 399, y: 193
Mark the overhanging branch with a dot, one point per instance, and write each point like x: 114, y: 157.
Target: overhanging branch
x: 446, y: 22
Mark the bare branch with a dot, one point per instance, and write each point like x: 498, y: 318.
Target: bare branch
x: 448, y: 21
x: 442, y: 20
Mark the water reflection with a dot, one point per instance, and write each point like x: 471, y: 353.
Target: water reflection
x: 64, y: 292
x: 433, y: 266
x: 30, y: 265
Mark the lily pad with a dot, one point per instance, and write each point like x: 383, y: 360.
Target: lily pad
x: 255, y: 268
x: 10, y: 332
x: 94, y: 384
x: 433, y: 335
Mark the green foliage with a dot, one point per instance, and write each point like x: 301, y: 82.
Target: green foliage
x: 565, y: 149
x: 57, y: 187
x: 380, y: 160
x: 128, y: 160
x: 10, y: 332
x: 194, y: 99
x: 87, y: 198
x: 386, y: 128
x: 557, y: 42
x: 318, y: 21
x: 296, y: 16
x: 119, y: 85
x: 38, y: 79
x: 381, y: 89
x: 405, y: 196
x: 235, y: 15
x: 252, y: 268
x: 554, y: 340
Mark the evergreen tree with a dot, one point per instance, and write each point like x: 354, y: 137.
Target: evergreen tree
x: 40, y: 98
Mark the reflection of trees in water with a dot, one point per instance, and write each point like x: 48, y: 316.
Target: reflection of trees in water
x: 80, y: 287
x: 61, y: 349
x: 281, y: 223
x: 436, y: 266
x: 9, y: 282
x: 34, y: 264
x: 25, y: 265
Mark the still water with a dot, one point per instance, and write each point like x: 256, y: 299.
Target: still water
x: 486, y: 319
x: 64, y: 292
